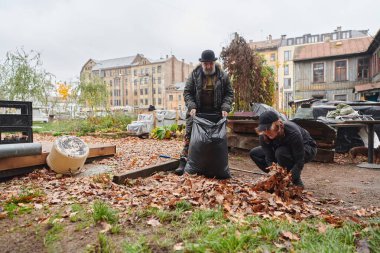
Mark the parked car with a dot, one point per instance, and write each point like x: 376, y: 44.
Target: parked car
x: 39, y: 115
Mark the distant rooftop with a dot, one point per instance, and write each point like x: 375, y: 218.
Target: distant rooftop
x: 332, y: 48
x: 114, y: 63
x: 337, y: 34
x: 266, y: 44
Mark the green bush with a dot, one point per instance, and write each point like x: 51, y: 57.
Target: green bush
x: 111, y: 123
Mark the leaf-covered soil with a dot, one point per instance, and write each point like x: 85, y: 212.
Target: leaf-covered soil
x: 41, y: 212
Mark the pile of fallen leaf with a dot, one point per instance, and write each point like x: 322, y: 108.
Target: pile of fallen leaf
x: 279, y: 181
x: 272, y: 196
x: 131, y: 152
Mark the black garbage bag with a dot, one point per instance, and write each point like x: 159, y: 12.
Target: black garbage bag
x: 208, y: 151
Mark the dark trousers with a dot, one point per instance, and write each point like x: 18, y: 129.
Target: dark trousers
x: 282, y: 155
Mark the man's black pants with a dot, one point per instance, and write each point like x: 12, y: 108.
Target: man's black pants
x: 282, y: 155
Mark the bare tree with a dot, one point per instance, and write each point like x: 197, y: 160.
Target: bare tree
x: 252, y: 80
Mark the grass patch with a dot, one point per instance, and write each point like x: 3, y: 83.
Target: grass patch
x: 20, y: 204
x: 110, y: 123
x: 52, y: 235
x: 103, y: 212
x: 105, y: 244
x: 209, y: 231
x: 140, y: 246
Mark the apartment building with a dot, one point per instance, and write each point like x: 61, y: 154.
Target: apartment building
x: 137, y: 80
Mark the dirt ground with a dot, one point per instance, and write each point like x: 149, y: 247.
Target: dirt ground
x: 340, y: 185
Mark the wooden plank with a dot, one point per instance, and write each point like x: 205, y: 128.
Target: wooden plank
x: 242, y: 141
x: 145, y: 172
x: 34, y: 160
x: 324, y: 156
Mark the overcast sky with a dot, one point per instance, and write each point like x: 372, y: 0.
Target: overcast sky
x: 69, y: 32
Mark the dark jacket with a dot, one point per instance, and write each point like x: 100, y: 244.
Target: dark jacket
x: 295, y: 138
x: 223, y: 93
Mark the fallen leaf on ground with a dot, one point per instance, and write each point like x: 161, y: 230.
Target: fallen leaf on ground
x: 153, y: 222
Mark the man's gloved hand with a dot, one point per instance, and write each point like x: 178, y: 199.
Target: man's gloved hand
x: 224, y: 114
x: 192, y: 112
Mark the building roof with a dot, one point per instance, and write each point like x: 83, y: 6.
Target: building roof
x: 265, y: 45
x: 367, y: 87
x: 114, y: 63
x: 332, y: 48
x: 375, y: 43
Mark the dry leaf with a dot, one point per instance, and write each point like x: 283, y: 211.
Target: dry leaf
x: 178, y: 246
x: 38, y: 206
x: 322, y: 228
x: 362, y: 212
x: 105, y: 227
x: 289, y: 235
x: 153, y: 222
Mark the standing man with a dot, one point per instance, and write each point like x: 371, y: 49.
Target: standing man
x: 285, y: 143
x: 208, y: 90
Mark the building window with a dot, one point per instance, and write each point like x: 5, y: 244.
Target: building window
x: 146, y: 101
x: 135, y: 72
x: 135, y: 102
x: 145, y: 80
x: 313, y: 39
x: 290, y: 42
x: 299, y: 41
x: 318, y: 72
x: 141, y: 81
x: 141, y: 71
x: 340, y: 97
x: 170, y: 97
x: 126, y: 92
x: 126, y: 81
x: 340, y: 70
x: 141, y: 92
x: 135, y: 82
x: 159, y: 101
x: 159, y: 90
x: 146, y: 91
x: 126, y: 101
x: 135, y: 92
x: 153, y: 69
x: 179, y: 97
x: 286, y: 70
x: 141, y: 101
x: 159, y: 69
x: 345, y: 35
x: 287, y: 83
x: 154, y: 80
x: 272, y: 57
x: 154, y: 90
x: 146, y: 71
x: 287, y: 55
x: 288, y: 98
x: 110, y: 82
x: 158, y: 80
x: 363, y: 67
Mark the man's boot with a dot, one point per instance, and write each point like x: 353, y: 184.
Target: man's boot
x: 181, y: 168
x: 296, y: 177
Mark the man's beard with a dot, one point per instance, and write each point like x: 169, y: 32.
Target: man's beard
x: 208, y: 72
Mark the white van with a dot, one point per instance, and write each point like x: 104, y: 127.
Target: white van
x: 39, y: 115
